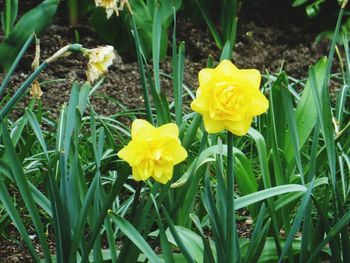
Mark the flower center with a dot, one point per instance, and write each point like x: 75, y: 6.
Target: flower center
x: 228, y: 102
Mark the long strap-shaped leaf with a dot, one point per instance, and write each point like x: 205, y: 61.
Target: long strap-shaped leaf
x: 297, y: 221
x: 24, y: 189
x: 19, y: 93
x: 58, y: 213
x: 35, y: 20
x: 130, y: 231
x: 15, y: 63
x: 336, y: 229
x: 6, y: 201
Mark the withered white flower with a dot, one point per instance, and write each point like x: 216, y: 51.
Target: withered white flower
x: 100, y: 59
x: 110, y: 6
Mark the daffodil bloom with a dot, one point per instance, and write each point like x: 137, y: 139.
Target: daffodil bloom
x: 229, y: 98
x: 153, y: 152
x: 99, y: 60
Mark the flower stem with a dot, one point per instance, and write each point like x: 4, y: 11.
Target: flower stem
x: 73, y: 12
x: 231, y: 236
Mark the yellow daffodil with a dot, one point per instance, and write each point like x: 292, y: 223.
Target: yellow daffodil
x: 153, y: 152
x: 99, y: 60
x: 229, y: 98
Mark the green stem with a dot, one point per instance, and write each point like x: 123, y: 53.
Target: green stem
x: 8, y: 18
x: 73, y: 12
x: 231, y: 250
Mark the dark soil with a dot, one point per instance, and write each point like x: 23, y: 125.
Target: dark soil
x: 267, y: 40
x: 261, y: 44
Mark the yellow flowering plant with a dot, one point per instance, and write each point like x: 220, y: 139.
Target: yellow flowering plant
x: 153, y: 152
x: 88, y: 197
x: 229, y: 98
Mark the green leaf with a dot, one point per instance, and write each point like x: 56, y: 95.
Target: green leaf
x: 167, y: 254
x: 84, y: 97
x: 15, y: 63
x: 156, y: 37
x: 278, y: 115
x: 7, y: 202
x: 334, y: 231
x: 24, y: 189
x: 191, y: 240
x: 248, y: 180
x: 306, y: 112
x: 10, y: 14
x: 180, y: 241
x: 269, y: 252
x: 35, y: 20
x: 246, y: 200
x: 210, y: 23
x: 299, y: 2
x: 297, y: 220
x: 130, y: 231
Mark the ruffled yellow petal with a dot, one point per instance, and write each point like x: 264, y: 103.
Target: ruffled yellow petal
x: 142, y: 129
x: 205, y: 75
x: 163, y: 174
x: 140, y: 173
x: 225, y: 69
x: 211, y: 125
x: 200, y: 104
x: 252, y: 77
x: 169, y: 129
x: 131, y: 153
x: 258, y: 105
x: 176, y: 151
x: 239, y: 128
